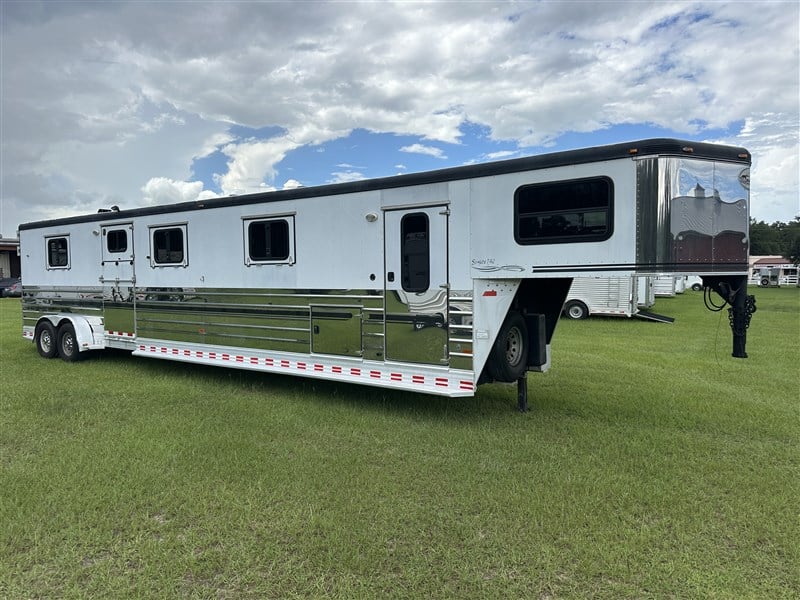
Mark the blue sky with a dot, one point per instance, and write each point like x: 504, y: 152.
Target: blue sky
x: 365, y: 155
x: 143, y: 103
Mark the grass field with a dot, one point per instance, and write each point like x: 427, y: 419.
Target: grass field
x: 651, y: 465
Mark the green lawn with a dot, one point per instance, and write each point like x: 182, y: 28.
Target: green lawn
x: 652, y: 465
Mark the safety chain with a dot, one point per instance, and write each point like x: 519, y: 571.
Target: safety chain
x: 744, y: 321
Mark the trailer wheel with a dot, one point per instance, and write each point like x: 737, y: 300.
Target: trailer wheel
x: 508, y: 359
x: 765, y: 282
x: 45, y: 337
x: 68, y: 343
x: 697, y: 287
x: 575, y: 309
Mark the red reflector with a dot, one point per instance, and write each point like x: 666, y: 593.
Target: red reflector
x: 490, y: 293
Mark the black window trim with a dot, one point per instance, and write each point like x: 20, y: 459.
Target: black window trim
x: 47, y: 240
x: 184, y: 262
x: 405, y: 277
x: 288, y: 218
x: 565, y: 239
x: 114, y: 229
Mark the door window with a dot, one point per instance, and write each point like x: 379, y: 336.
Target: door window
x: 415, y: 268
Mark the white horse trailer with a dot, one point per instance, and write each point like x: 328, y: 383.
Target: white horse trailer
x: 611, y: 297
x: 647, y: 293
x: 665, y: 286
x: 431, y: 282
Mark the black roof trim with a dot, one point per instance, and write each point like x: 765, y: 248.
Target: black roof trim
x: 649, y: 147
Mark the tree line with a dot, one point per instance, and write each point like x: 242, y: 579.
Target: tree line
x: 776, y: 239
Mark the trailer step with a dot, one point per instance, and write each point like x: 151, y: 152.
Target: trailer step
x: 654, y: 317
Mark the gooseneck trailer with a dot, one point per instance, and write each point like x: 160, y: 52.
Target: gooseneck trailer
x: 431, y: 282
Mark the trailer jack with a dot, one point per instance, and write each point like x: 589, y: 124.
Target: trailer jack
x: 522, y: 393
x: 742, y: 306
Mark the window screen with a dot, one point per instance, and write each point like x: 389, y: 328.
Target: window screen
x: 58, y: 252
x: 415, y: 268
x: 268, y: 240
x: 117, y: 240
x: 564, y: 211
x: 168, y: 246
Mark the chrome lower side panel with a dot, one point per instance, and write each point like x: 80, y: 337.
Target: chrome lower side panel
x: 40, y: 301
x: 325, y: 321
x: 334, y: 334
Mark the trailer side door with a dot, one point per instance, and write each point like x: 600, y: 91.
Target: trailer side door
x: 416, y: 284
x: 118, y: 279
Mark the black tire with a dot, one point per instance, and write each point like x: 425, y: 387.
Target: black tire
x: 765, y: 282
x: 697, y: 287
x: 45, y: 338
x: 68, y: 343
x: 508, y: 359
x: 575, y: 309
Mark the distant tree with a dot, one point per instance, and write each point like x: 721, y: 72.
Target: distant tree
x: 765, y: 239
x: 791, y: 241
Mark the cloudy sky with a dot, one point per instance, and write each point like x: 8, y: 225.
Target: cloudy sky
x: 145, y: 103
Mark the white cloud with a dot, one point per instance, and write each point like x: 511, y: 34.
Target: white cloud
x: 342, y: 177
x: 252, y: 162
x: 292, y: 184
x: 213, y: 143
x: 422, y: 149
x: 773, y: 140
x: 502, y: 154
x: 162, y: 190
x: 100, y: 97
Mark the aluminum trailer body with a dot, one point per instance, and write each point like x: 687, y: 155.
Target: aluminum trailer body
x: 429, y: 282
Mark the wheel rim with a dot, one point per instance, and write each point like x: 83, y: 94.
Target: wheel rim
x: 513, y: 346
x: 46, y: 341
x: 576, y: 312
x: 68, y: 344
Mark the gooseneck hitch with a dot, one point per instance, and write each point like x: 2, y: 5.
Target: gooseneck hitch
x: 733, y: 290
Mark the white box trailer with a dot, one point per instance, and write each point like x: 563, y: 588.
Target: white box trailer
x: 776, y: 275
x: 646, y: 293
x: 665, y: 286
x: 612, y: 297
x: 430, y: 282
